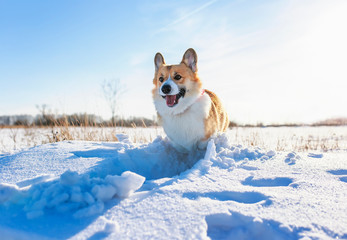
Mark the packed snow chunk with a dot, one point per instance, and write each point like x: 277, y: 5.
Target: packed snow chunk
x: 271, y: 153
x: 69, y: 178
x: 57, y: 200
x: 291, y: 158
x: 222, y: 140
x: 104, y: 192
x: 240, y: 153
x: 210, y: 150
x: 94, y: 209
x: 76, y: 197
x: 203, y: 166
x: 36, y: 205
x: 108, y: 225
x: 71, y: 192
x: 127, y: 183
x: 7, y: 191
x: 88, y: 198
x: 238, y: 226
x: 111, y: 227
x: 225, y: 163
x: 68, y: 207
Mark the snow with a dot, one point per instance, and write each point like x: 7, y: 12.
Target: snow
x: 13, y: 140
x: 123, y: 190
x: 237, y: 226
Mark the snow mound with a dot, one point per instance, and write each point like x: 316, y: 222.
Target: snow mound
x: 153, y: 160
x: 71, y: 192
x: 119, y: 175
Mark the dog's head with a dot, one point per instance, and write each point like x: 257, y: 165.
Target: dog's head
x: 176, y: 86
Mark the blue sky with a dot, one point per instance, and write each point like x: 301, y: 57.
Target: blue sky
x: 269, y: 61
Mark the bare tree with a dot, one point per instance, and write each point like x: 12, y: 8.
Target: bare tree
x: 42, y: 109
x: 112, y: 90
x: 45, y: 118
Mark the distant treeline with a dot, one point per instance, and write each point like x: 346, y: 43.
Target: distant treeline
x: 327, y: 122
x: 332, y: 122
x: 73, y: 120
x: 96, y: 121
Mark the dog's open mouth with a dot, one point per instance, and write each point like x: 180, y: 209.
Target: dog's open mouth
x: 172, y: 100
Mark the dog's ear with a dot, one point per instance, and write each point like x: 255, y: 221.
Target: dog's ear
x: 190, y: 59
x: 158, y: 61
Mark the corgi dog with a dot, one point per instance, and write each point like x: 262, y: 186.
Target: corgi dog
x: 189, y: 114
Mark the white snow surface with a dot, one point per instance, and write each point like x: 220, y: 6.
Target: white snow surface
x: 122, y: 190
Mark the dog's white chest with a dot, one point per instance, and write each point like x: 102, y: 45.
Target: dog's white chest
x: 186, y: 130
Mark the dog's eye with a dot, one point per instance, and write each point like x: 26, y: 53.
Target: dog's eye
x: 161, y: 79
x: 177, y: 77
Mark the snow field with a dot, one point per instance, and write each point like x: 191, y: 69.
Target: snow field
x: 124, y: 190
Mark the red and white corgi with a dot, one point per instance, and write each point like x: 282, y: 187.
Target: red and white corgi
x: 189, y: 114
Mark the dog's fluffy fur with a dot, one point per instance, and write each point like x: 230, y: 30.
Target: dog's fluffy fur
x: 189, y: 114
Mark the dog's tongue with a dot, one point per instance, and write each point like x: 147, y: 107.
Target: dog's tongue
x: 170, y: 100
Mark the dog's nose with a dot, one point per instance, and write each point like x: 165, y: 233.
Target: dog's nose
x: 166, y: 88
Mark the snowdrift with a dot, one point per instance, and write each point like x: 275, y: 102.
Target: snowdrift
x: 89, y: 190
